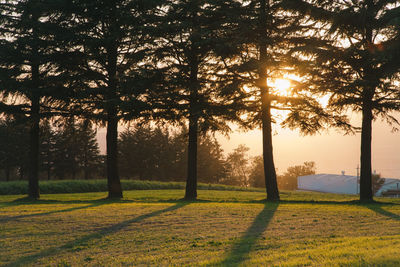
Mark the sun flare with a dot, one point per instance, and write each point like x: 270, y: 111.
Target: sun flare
x: 282, y: 85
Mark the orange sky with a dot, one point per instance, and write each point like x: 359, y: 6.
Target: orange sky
x: 332, y: 151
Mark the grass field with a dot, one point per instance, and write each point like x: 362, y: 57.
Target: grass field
x: 224, y: 228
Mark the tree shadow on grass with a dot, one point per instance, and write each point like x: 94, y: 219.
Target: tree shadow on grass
x: 378, y: 209
x: 244, y: 246
x: 97, y: 235
x: 92, y: 203
x: 12, y: 218
x: 29, y: 201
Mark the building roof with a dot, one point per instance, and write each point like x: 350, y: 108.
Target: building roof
x: 340, y: 184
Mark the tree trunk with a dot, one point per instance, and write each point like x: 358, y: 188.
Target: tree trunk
x: 366, y: 139
x: 34, y: 134
x: 33, y: 189
x: 269, y: 166
x: 366, y: 193
x: 191, y: 182
x: 114, y: 184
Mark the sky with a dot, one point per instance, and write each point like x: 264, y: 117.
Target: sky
x: 332, y: 151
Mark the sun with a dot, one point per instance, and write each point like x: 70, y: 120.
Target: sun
x: 282, y: 85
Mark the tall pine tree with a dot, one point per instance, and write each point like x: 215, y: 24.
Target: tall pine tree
x: 355, y: 55
x: 260, y: 36
x: 190, y: 33
x: 32, y: 73
x: 112, y: 38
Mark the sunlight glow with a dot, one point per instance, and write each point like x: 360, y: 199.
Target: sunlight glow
x: 281, y: 86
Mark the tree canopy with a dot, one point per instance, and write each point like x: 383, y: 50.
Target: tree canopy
x: 353, y: 61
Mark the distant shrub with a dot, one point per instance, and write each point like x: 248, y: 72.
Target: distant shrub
x: 86, y: 186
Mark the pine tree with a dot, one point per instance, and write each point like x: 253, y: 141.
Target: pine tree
x: 354, y: 47
x: 13, y: 153
x: 113, y: 74
x: 89, y: 153
x: 189, y: 34
x: 69, y: 149
x: 254, y: 58
x: 32, y: 79
x: 261, y: 34
x: 47, y: 148
x: 157, y: 153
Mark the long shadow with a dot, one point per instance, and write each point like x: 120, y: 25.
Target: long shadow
x: 336, y: 202
x: 91, y: 202
x: 12, y: 218
x: 378, y: 209
x: 328, y: 202
x: 97, y: 235
x: 99, y: 202
x: 28, y: 201
x: 243, y: 247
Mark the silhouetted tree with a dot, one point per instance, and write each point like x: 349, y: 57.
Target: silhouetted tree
x: 47, y: 148
x: 66, y: 150
x: 32, y: 79
x: 189, y: 34
x: 212, y: 165
x: 74, y: 151
x: 255, y: 57
x: 89, y: 160
x: 112, y: 83
x: 13, y: 143
x: 238, y: 166
x: 355, y: 55
x: 256, y: 176
x: 157, y: 153
x: 145, y: 152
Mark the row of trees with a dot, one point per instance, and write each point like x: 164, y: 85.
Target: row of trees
x: 202, y: 63
x: 66, y: 150
x: 69, y: 150
x: 161, y: 154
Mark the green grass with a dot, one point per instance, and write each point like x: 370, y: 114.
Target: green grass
x: 224, y: 228
x: 85, y: 186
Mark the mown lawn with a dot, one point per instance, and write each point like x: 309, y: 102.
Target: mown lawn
x: 224, y: 228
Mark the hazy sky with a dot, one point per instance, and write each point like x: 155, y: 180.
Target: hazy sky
x: 332, y: 151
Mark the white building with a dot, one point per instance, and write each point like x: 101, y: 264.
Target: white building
x: 340, y: 184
